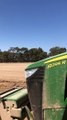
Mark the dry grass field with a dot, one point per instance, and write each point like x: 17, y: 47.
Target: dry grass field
x: 12, y: 75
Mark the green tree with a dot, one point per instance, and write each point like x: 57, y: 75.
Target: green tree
x: 36, y: 54
x: 56, y: 50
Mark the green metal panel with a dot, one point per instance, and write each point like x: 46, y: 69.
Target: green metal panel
x: 55, y: 114
x: 55, y: 78
x: 54, y: 90
x: 42, y: 63
x: 17, y: 95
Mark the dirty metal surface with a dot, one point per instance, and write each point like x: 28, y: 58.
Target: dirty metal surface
x: 54, y: 91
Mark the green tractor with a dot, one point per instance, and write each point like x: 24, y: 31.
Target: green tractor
x: 47, y: 88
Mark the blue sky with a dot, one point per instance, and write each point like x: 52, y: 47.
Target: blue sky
x: 33, y: 23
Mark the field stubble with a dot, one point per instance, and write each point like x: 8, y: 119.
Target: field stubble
x: 12, y: 75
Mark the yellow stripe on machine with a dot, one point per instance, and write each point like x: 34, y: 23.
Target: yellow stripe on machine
x: 56, y: 59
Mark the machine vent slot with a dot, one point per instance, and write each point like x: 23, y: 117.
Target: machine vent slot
x: 65, y: 95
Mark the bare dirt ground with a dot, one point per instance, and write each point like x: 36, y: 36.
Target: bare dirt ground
x: 12, y: 75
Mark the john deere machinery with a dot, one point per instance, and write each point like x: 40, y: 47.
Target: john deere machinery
x: 47, y: 88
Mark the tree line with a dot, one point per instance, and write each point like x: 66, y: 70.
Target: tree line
x: 16, y: 54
